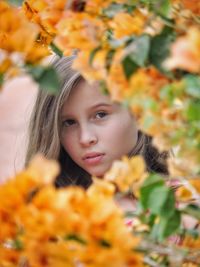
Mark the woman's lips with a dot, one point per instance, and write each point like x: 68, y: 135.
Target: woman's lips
x: 93, y: 158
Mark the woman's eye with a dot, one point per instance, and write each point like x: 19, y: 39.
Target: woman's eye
x: 68, y: 123
x: 101, y: 114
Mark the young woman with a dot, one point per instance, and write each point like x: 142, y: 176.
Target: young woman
x: 84, y: 130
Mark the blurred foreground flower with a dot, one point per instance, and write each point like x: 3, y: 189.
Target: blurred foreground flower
x: 186, y: 52
x: 127, y: 174
x: 74, y: 226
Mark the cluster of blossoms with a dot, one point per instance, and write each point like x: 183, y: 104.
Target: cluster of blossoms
x: 33, y: 233
x: 146, y: 54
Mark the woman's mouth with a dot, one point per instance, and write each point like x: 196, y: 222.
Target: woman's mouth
x: 93, y: 158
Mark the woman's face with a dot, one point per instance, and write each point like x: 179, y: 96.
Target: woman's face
x: 96, y: 131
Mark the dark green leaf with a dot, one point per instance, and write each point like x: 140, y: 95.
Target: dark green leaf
x: 109, y: 58
x: 56, y: 50
x: 75, y: 238
x: 138, y: 50
x: 93, y: 53
x: 104, y: 243
x: 168, y: 207
x: 103, y: 87
x: 35, y: 71
x: 129, y: 66
x: 193, y: 85
x: 1, y: 79
x: 192, y: 210
x: 163, y: 7
x: 47, y: 78
x: 160, y: 48
x: 169, y: 226
x: 16, y: 244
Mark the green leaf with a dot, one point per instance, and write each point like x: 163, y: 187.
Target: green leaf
x: 167, y: 93
x: 115, y: 43
x: 35, y: 71
x: 112, y: 10
x: 139, y: 49
x: 192, y: 85
x: 129, y: 66
x: 75, y: 238
x: 163, y: 7
x: 193, y: 110
x: 103, y: 87
x: 160, y: 7
x: 169, y: 225
x: 152, y: 182
x: 93, y: 53
x: 104, y: 243
x: 161, y: 201
x: 15, y: 244
x: 149, y: 120
x: 47, y: 78
x: 192, y: 210
x: 1, y: 79
x: 168, y: 207
x: 56, y: 50
x: 109, y: 58
x: 160, y: 48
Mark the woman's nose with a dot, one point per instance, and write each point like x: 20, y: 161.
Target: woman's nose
x: 88, y: 136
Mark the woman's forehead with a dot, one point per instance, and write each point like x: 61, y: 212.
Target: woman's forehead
x: 88, y: 94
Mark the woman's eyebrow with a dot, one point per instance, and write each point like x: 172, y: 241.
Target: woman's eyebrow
x: 95, y: 106
x: 101, y: 105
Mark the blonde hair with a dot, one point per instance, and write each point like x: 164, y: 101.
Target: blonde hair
x: 45, y: 128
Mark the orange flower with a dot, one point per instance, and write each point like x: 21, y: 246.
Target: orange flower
x: 96, y: 71
x: 189, y: 191
x: 127, y: 174
x: 193, y: 5
x: 80, y: 30
x: 46, y: 14
x: 186, y: 52
x: 117, y: 83
x: 124, y: 24
x: 14, y: 29
x: 190, y: 242
x: 5, y: 65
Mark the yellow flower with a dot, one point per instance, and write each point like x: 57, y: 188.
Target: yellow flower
x: 124, y: 24
x: 96, y: 71
x: 5, y: 65
x: 117, y: 83
x: 127, y: 174
x: 190, y: 242
x: 14, y: 29
x: 79, y: 30
x: 46, y: 14
x: 185, y: 192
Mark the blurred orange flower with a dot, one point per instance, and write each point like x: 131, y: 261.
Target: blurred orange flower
x: 127, y: 174
x: 190, y: 190
x: 185, y: 52
x: 124, y: 24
